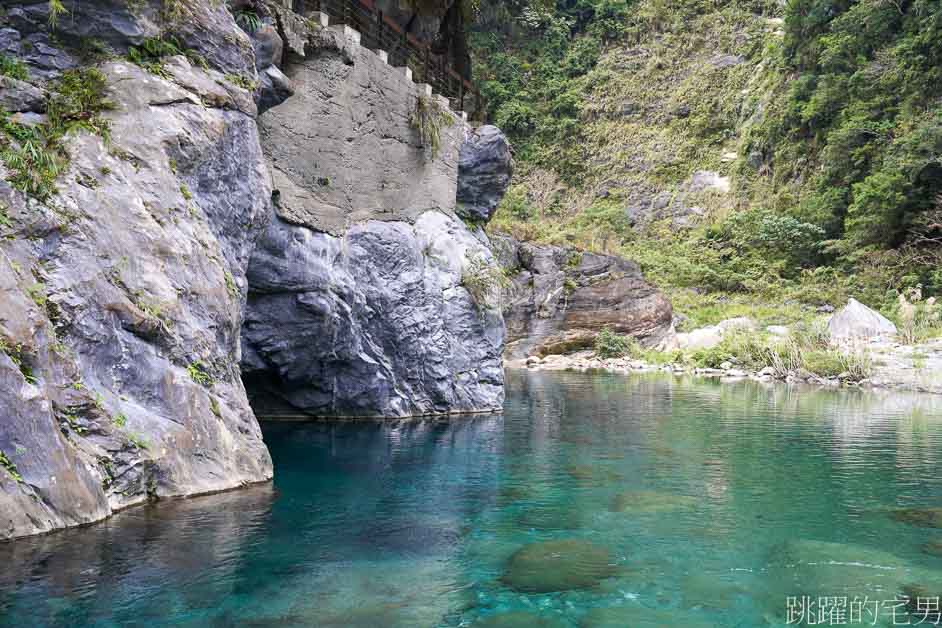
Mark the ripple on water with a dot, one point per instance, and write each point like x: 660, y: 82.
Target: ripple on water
x: 594, y: 500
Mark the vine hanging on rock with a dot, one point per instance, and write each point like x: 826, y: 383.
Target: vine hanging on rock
x: 429, y: 118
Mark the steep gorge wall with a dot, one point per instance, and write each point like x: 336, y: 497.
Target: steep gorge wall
x: 357, y: 306
x: 123, y: 294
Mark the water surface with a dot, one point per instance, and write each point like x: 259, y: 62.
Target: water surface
x: 714, y: 503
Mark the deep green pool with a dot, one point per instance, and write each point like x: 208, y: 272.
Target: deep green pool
x: 681, y: 503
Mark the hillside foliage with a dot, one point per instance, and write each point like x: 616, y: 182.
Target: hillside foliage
x: 825, y: 117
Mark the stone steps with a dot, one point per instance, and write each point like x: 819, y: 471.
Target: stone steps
x: 353, y: 35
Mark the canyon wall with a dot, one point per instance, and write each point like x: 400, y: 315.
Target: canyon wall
x: 151, y: 225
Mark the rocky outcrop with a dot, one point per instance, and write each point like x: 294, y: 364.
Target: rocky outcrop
x: 485, y: 167
x: 358, y: 303
x: 855, y: 322
x: 121, y: 307
x: 372, y: 323
x: 559, y: 299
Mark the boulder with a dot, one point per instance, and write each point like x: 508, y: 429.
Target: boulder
x: 520, y: 619
x: 373, y: 323
x: 485, y: 167
x: 559, y: 299
x: 856, y: 322
x: 648, y: 502
x: 561, y: 565
x: 711, y: 336
x: 923, y: 517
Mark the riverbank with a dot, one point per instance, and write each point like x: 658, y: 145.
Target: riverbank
x: 892, y: 366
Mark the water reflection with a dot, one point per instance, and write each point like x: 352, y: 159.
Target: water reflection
x: 705, y: 496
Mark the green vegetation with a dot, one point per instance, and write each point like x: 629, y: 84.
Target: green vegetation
x: 240, y: 80
x: 35, y: 154
x: 200, y: 374
x: 483, y: 281
x: 138, y: 441
x: 231, y: 286
x: 9, y: 467
x: 248, y: 20
x: 151, y: 53
x: 56, y: 9
x: 805, y: 351
x: 824, y: 118
x: 13, y: 68
x: 428, y: 119
x: 608, y: 344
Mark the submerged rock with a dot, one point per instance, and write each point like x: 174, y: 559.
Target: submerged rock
x: 809, y: 567
x: 923, y: 517
x: 650, y: 502
x: 520, y: 619
x: 559, y: 299
x: 856, y: 321
x: 933, y: 548
x: 560, y: 565
x: 639, y: 617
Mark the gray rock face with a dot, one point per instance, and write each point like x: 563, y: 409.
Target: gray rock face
x: 19, y: 96
x: 373, y: 323
x: 205, y: 28
x: 559, y: 299
x: 683, y: 206
x: 856, y: 321
x: 485, y: 167
x: 357, y: 304
x: 121, y: 308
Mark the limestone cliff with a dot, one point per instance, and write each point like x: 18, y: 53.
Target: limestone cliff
x: 137, y: 221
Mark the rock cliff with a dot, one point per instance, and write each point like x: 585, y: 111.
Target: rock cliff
x: 558, y: 299
x: 357, y: 302
x: 121, y: 303
x: 138, y: 233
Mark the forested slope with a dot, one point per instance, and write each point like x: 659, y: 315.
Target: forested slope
x: 747, y: 154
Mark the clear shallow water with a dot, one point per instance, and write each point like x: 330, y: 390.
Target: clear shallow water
x: 713, y: 503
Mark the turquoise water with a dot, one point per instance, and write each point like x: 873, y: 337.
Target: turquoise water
x: 682, y: 503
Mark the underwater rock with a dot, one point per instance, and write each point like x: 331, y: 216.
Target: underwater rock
x: 923, y: 517
x: 841, y: 569
x: 635, y: 617
x: 933, y: 548
x: 557, y: 517
x: 650, y: 502
x: 520, y: 619
x: 559, y: 565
